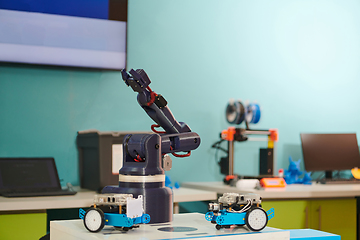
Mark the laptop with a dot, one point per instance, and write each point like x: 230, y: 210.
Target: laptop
x: 30, y: 177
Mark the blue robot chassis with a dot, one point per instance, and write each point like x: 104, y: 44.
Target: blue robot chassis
x: 239, y: 209
x: 121, y: 211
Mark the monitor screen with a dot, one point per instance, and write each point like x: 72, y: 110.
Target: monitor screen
x: 328, y: 152
x: 76, y: 33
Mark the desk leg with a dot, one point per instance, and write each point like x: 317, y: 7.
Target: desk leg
x: 176, y: 208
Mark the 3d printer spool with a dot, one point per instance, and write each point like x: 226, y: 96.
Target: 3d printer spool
x: 235, y: 112
x: 253, y: 113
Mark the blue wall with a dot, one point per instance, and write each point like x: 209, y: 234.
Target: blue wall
x: 298, y: 59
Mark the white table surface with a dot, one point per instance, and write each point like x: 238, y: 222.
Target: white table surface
x: 84, y: 198
x: 74, y: 229
x: 291, y: 191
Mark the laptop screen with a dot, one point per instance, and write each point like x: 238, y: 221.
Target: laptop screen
x: 28, y: 174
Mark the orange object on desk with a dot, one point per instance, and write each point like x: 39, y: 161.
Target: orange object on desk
x: 272, y: 182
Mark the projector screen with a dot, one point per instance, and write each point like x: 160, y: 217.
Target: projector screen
x: 77, y: 33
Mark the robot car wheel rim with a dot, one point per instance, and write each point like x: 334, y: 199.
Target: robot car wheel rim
x: 256, y: 219
x: 146, y: 218
x: 128, y: 222
x: 209, y: 216
x: 220, y: 220
x: 94, y: 220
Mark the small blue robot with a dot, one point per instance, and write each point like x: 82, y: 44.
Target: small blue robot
x: 119, y: 210
x: 239, y: 209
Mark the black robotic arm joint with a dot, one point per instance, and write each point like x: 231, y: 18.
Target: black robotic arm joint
x: 160, y: 101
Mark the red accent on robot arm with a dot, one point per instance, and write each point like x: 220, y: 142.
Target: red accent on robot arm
x: 152, y: 96
x: 156, y: 131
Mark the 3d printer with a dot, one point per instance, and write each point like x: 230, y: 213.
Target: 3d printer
x: 236, y: 113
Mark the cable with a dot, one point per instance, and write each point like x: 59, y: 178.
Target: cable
x: 180, y: 155
x: 217, y: 146
x: 245, y: 208
x: 156, y: 131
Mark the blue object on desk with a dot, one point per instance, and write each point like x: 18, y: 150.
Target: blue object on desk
x: 292, y: 175
x: 168, y: 183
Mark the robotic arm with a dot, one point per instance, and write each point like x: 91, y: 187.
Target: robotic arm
x: 145, y: 155
x: 177, y: 135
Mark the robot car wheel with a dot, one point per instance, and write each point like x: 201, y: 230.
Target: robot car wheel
x: 256, y: 219
x: 94, y: 220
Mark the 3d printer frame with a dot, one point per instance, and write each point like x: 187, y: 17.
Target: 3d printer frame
x: 232, y: 134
